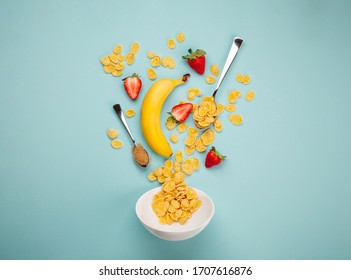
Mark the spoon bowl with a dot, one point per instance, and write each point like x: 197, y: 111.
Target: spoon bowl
x: 142, y: 158
x: 237, y: 42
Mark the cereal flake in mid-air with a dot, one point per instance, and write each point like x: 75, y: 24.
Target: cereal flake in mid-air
x: 182, y: 127
x: 116, y: 144
x: 208, y: 136
x: 130, y: 58
x: 121, y: 57
x: 174, y: 138
x: 117, y: 73
x: 152, y: 177
x: 230, y: 107
x: 117, y: 49
x: 119, y: 65
x: 239, y: 78
x: 210, y: 79
x: 151, y: 74
x: 214, y: 70
x: 105, y: 60
x: 169, y: 62
x: 193, y: 92
x: 246, y: 80
x: 250, y: 95
x: 134, y: 48
x: 150, y: 54
x: 113, y: 57
x: 171, y: 43
x: 112, y: 133
x: 231, y: 97
x: 130, y: 113
x: 171, y: 123
x: 218, y: 125
x: 156, y: 61
x: 180, y: 37
x: 109, y: 68
x: 236, y: 119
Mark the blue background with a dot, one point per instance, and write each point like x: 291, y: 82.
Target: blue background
x: 284, y: 191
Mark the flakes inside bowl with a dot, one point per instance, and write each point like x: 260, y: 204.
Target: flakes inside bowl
x: 176, y: 201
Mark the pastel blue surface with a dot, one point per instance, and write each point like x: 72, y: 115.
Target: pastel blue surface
x: 284, y: 190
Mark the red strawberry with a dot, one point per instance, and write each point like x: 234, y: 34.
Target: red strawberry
x: 132, y: 85
x: 181, y: 112
x: 213, y: 158
x: 196, y: 60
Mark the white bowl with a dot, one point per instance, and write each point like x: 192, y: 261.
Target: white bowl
x: 175, y: 231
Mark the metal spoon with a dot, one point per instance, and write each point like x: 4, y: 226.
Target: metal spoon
x: 231, y: 55
x: 120, y: 114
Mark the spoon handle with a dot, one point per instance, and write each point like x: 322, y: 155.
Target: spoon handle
x: 120, y: 114
x: 232, y: 53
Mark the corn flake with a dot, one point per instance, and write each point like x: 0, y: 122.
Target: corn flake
x: 130, y: 113
x: 156, y: 61
x: 230, y: 107
x: 134, y: 48
x: 210, y: 79
x: 113, y: 57
x: 116, y: 144
x: 182, y: 127
x: 150, y: 54
x: 208, y: 136
x: 240, y: 78
x: 180, y: 37
x: 119, y: 65
x: 109, y: 68
x: 152, y: 177
x: 214, y: 70
x: 117, y: 49
x: 250, y: 95
x: 193, y: 130
x: 231, y: 97
x: 171, y: 43
x: 246, y: 80
x: 169, y: 164
x: 218, y: 125
x: 117, y: 73
x: 130, y: 58
x: 121, y: 57
x: 151, y: 74
x: 235, y: 119
x: 112, y: 133
x: 174, y: 138
x: 171, y: 123
x: 105, y: 60
x: 189, y: 149
x: 179, y: 156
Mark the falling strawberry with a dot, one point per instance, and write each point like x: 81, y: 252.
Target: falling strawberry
x: 181, y: 112
x: 213, y: 158
x: 132, y: 85
x: 196, y: 60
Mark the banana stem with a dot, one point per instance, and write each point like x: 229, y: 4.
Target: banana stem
x: 185, y: 78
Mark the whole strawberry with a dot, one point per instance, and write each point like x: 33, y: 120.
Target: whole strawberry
x: 196, y: 60
x: 181, y: 112
x: 213, y: 158
x: 132, y: 85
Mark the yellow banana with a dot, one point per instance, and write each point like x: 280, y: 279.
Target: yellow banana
x: 150, y: 115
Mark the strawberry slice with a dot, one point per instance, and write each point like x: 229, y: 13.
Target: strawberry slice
x: 196, y: 60
x: 132, y: 85
x: 213, y: 158
x: 181, y: 112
